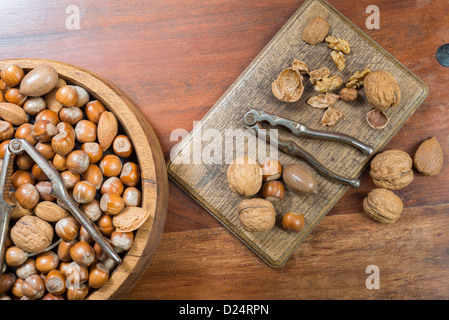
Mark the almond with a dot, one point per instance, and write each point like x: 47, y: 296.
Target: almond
x: 50, y: 211
x: 428, y: 158
x: 107, y: 129
x: 13, y: 113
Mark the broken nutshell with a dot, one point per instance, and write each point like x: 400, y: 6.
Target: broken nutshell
x: 288, y: 86
x: 331, y: 117
x: 323, y: 101
x: 377, y: 119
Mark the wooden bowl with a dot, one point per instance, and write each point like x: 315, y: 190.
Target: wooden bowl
x: 151, y: 162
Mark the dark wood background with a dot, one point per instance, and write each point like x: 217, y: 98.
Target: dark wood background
x: 176, y: 58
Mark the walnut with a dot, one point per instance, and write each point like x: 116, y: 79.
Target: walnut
x: 256, y: 214
x: 245, y: 176
x: 288, y: 87
x: 339, y: 59
x: 331, y: 116
x: 324, y: 100
x: 377, y: 119
x: 383, y: 205
x: 328, y: 84
x: 348, y: 94
x: 32, y: 234
x: 356, y: 80
x: 428, y: 158
x: 392, y: 169
x: 338, y: 44
x: 382, y: 90
x: 316, y: 30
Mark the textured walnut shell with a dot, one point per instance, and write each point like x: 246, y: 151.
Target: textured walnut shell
x: 392, y: 169
x: 316, y: 30
x: 428, y: 158
x: 32, y: 234
x: 383, y: 205
x: 288, y: 87
x: 256, y: 214
x: 245, y: 176
x: 382, y: 90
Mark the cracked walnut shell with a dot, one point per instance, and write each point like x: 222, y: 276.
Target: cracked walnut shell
x: 383, y: 205
x: 288, y: 86
x: 392, y: 169
x: 256, y: 214
x: 245, y: 176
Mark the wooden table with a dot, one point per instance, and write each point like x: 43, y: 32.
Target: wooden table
x: 175, y: 58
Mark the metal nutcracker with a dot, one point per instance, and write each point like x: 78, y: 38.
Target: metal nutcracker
x: 253, y: 118
x: 58, y: 190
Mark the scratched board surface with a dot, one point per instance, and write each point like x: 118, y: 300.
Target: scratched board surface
x: 207, y: 182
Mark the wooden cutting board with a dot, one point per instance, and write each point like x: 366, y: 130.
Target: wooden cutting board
x: 207, y: 183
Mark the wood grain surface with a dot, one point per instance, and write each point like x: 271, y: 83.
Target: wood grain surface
x: 175, y: 59
x: 206, y: 181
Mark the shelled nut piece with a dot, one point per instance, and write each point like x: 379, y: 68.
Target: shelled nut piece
x: 256, y: 215
x: 383, y: 205
x: 245, y: 176
x: 392, y: 169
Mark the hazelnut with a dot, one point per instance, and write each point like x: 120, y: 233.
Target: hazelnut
x: 13, y: 95
x: 122, y: 241
x: 111, y: 204
x: 34, y: 105
x: 48, y: 115
x: 33, y: 287
x: 293, y: 221
x: 67, y: 229
x: 273, y: 191
x: 132, y: 197
x: 256, y: 214
x: 27, y: 195
x: 55, y: 282
x: 82, y: 253
x: 63, y: 143
x: 12, y: 75
x: 93, y: 110
x: 93, y: 150
x: 25, y: 131
x: 78, y: 292
x: 77, y: 161
x: 112, y: 185
x: 15, y: 256
x: 71, y: 115
x: 245, y: 176
x: 271, y: 169
x: 122, y: 146
x: 98, y: 275
x: 67, y: 95
x: 348, y: 94
x: 110, y: 165
x: 86, y: 131
x: 93, y: 175
x: 47, y: 261
x: 84, y: 192
x: 130, y: 175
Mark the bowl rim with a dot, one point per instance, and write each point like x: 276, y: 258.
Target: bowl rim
x: 151, y: 161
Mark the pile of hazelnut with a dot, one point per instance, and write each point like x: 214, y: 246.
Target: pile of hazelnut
x: 48, y: 254
x: 261, y: 185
